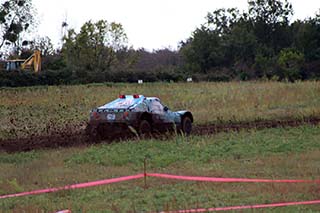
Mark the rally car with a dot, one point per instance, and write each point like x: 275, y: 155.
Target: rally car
x: 139, y: 114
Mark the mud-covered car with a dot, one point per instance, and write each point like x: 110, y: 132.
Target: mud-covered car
x: 137, y: 113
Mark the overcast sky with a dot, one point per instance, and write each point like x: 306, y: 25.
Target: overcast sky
x: 152, y: 24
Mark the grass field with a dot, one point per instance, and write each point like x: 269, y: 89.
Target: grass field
x: 34, y: 110
x: 282, y: 153
x: 272, y: 153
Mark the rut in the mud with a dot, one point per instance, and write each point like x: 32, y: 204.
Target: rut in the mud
x: 76, y: 136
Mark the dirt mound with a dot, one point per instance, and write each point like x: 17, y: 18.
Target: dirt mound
x: 76, y: 136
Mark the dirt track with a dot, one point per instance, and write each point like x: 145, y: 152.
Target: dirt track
x: 75, y: 136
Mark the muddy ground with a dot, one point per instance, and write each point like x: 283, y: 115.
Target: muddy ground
x: 75, y: 135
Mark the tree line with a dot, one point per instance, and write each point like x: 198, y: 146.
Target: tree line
x: 260, y: 43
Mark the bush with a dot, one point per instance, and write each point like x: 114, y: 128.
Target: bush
x: 27, y: 78
x: 290, y: 62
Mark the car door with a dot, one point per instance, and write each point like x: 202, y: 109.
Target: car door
x: 162, y: 117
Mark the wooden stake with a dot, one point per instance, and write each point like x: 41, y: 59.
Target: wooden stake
x: 145, y: 172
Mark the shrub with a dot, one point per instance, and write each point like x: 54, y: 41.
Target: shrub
x: 290, y: 62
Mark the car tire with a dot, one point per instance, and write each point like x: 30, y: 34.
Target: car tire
x: 144, y: 128
x: 186, y: 125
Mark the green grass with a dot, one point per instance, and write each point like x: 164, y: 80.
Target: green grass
x: 34, y: 110
x: 272, y: 153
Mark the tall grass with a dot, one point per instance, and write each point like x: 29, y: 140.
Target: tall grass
x: 33, y: 110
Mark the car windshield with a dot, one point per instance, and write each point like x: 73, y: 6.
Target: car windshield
x: 156, y: 107
x: 122, y: 103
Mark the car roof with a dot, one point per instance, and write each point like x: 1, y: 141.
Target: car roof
x: 123, y: 103
x: 126, y: 101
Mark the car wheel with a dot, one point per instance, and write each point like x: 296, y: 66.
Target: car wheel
x: 144, y: 128
x: 186, y: 125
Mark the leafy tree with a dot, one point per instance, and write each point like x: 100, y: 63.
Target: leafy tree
x: 202, y: 51
x: 92, y: 51
x: 270, y: 21
x: 207, y: 48
x: 116, y: 38
x: 43, y: 44
x: 225, y: 40
x: 247, y: 44
x: 265, y: 66
x: 270, y: 12
x: 222, y: 20
x: 16, y: 16
x: 290, y: 62
x: 306, y: 36
x: 242, y: 43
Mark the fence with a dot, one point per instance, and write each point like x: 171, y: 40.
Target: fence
x: 182, y: 178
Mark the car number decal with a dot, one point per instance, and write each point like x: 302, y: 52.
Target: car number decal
x: 111, y: 117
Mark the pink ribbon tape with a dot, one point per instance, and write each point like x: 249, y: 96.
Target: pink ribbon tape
x: 259, y: 206
x: 227, y: 180
x: 164, y: 176
x: 75, y: 186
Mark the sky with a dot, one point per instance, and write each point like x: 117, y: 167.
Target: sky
x: 149, y: 24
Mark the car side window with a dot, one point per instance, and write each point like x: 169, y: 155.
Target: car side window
x: 156, y: 107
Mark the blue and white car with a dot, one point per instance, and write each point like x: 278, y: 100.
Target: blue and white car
x: 143, y: 114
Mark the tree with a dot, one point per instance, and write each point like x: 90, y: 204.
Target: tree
x: 290, y: 62
x: 222, y: 20
x: 203, y: 50
x: 240, y: 43
x: 306, y: 36
x: 225, y: 39
x: 16, y: 16
x: 270, y: 12
x: 270, y: 21
x: 242, y: 40
x: 43, y: 44
x: 94, y: 48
